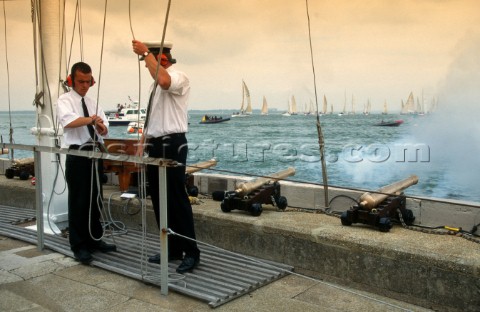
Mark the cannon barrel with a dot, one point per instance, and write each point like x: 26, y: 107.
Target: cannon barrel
x: 369, y: 200
x: 3, y: 151
x: 247, y: 187
x: 201, y: 165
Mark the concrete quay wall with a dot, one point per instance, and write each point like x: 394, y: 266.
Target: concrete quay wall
x: 441, y: 272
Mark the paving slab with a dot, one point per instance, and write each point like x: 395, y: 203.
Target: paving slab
x: 56, y: 282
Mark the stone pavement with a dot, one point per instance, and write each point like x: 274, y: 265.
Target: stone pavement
x: 32, y: 280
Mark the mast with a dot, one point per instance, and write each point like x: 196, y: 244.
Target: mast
x: 243, y: 98
x: 324, y: 109
x: 51, y: 62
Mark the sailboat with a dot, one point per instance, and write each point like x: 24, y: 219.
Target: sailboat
x: 245, y: 96
x: 409, y: 107
x: 293, y: 106
x: 264, y: 107
x: 312, y: 108
x: 353, y: 106
x: 324, y: 108
x: 385, y: 110
x: 344, y: 111
x: 367, y: 108
x: 287, y: 113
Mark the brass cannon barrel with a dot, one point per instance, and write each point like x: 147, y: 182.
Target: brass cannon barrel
x: 369, y: 200
x: 201, y: 165
x: 247, y: 187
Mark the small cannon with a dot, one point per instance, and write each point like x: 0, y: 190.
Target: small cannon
x: 22, y: 168
x: 250, y: 196
x: 192, y: 190
x: 379, y: 208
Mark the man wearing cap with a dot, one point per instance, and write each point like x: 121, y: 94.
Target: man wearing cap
x: 164, y: 137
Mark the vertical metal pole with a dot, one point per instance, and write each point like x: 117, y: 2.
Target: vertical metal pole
x: 162, y: 179
x: 39, y: 199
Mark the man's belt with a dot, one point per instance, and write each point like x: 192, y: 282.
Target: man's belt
x: 167, y: 136
x: 97, y: 147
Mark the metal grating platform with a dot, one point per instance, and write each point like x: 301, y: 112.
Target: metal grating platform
x: 219, y: 278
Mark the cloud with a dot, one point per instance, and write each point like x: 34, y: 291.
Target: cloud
x: 376, y: 49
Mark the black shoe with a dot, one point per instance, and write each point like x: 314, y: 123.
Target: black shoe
x: 104, y: 247
x: 188, y: 264
x: 83, y: 256
x: 156, y: 258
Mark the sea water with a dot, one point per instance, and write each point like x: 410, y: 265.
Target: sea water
x: 357, y: 153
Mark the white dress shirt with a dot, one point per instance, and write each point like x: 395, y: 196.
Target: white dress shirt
x: 69, y: 108
x: 169, y: 111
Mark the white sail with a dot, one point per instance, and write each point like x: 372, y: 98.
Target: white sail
x: 248, y: 111
x: 324, y: 108
x: 245, y: 95
x: 289, y: 109
x: 293, y: 106
x: 385, y: 109
x: 264, y: 106
x: 409, y: 107
x: 367, y: 108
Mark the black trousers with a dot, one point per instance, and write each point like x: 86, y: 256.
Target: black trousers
x: 179, y: 209
x: 78, y: 173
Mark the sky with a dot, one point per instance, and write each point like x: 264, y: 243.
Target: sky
x: 365, y: 50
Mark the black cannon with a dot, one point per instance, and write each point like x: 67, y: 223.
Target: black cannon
x: 249, y: 196
x: 22, y: 168
x: 380, y: 208
x: 192, y: 189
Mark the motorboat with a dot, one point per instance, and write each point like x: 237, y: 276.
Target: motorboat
x: 127, y: 115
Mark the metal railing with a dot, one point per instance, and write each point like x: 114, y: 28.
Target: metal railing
x: 162, y: 174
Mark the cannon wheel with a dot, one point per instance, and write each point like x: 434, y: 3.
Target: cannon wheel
x: 224, y: 207
x: 384, y: 224
x: 282, y: 202
x: 24, y: 175
x: 408, y: 216
x: 256, y: 209
x: 344, y: 218
x: 9, y: 173
x: 193, y: 191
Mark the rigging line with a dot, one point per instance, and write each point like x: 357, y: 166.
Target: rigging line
x: 12, y: 152
x: 80, y: 28
x: 130, y: 17
x: 101, y: 57
x: 73, y: 37
x: 170, y: 231
x: 161, y: 51
x: 34, y: 31
x: 139, y: 71
x: 94, y: 169
x: 321, y: 141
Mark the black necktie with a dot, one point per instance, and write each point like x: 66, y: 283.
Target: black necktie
x: 90, y: 127
x: 149, y: 107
